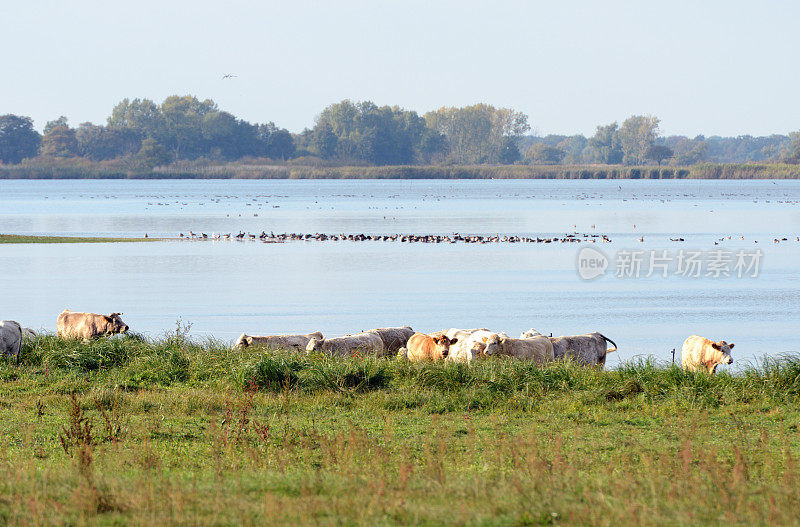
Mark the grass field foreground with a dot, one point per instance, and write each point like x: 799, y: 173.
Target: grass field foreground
x: 172, y: 431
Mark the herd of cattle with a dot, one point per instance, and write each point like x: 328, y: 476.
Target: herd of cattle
x: 460, y: 345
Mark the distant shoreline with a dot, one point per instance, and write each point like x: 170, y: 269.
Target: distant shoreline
x: 77, y: 170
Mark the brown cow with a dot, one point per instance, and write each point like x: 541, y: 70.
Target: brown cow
x: 425, y: 347
x: 89, y: 325
x: 700, y: 352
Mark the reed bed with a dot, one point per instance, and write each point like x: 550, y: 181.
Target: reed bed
x: 236, y: 170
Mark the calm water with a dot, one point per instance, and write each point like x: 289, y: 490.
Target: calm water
x: 226, y: 288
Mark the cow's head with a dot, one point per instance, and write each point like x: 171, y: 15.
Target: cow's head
x: 114, y: 324
x: 723, y: 352
x: 314, y: 345
x: 530, y: 333
x: 479, y: 348
x: 494, y: 344
x: 443, y: 345
x: 243, y: 341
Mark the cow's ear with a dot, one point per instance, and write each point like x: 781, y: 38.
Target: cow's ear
x: 108, y: 319
x: 715, y: 346
x: 454, y: 341
x: 730, y: 345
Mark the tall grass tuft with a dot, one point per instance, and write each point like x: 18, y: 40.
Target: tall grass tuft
x: 274, y: 371
x: 83, y: 356
x: 347, y: 375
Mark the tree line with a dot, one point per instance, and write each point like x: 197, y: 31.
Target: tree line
x: 144, y: 134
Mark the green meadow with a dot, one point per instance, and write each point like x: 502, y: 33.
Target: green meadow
x: 172, y: 431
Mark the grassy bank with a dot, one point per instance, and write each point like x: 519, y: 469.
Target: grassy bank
x: 86, y: 170
x: 20, y: 238
x: 174, y: 431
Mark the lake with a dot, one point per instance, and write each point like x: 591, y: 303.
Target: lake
x: 224, y: 288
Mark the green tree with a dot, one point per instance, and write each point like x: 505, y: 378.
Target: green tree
x: 604, y: 146
x: 152, y: 154
x: 100, y: 142
x: 183, y: 119
x: 229, y: 137
x: 542, y: 154
x: 278, y: 143
x: 379, y: 135
x: 60, y: 141
x: 18, y: 139
x: 658, y: 153
x: 61, y: 121
x: 636, y: 135
x: 574, y: 148
x: 793, y: 155
x: 509, y: 151
x: 477, y: 134
x: 141, y: 115
x: 687, y: 151
x: 323, y: 140
x: 432, y: 147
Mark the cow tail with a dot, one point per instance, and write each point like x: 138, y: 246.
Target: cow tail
x: 611, y: 341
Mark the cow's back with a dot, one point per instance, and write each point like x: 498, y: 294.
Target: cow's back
x: 462, y: 350
x: 539, y: 348
x: 283, y: 341
x: 72, y: 324
x: 394, y: 338
x: 420, y: 347
x: 693, y: 351
x: 366, y: 342
x: 10, y: 338
x: 586, y: 350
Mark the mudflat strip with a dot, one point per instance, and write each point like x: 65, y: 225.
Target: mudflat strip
x: 18, y: 238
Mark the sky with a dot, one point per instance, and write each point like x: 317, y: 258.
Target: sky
x: 703, y: 67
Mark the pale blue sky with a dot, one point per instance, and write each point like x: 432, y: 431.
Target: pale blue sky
x: 711, y: 67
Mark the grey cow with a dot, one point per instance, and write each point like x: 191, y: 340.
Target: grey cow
x: 364, y: 343
x: 394, y: 338
x: 10, y: 338
x: 587, y: 350
x: 298, y: 342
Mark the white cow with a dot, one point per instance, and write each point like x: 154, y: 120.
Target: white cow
x: 470, y: 345
x: 700, y: 352
x: 10, y: 338
x: 365, y: 343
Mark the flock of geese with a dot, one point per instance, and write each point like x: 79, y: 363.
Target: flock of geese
x: 575, y: 237
x: 404, y: 238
